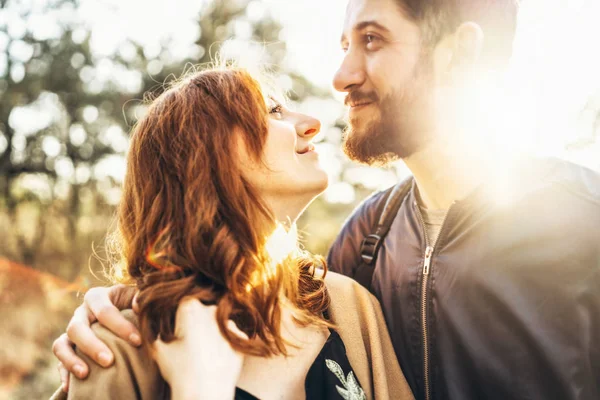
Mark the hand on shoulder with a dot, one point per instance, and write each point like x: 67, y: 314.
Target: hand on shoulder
x: 200, y: 362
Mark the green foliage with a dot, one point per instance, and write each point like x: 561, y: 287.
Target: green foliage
x: 65, y: 114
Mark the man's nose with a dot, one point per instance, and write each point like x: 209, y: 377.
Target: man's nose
x: 350, y: 74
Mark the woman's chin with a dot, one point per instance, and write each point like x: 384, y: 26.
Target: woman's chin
x: 313, y: 189
x: 321, y: 183
x: 311, y: 183
x: 320, y: 188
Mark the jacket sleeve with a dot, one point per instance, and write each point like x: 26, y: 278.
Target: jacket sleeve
x: 344, y: 255
x: 134, y: 374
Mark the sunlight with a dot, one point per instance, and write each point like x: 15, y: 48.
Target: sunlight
x: 280, y: 245
x: 539, y: 109
x: 553, y: 74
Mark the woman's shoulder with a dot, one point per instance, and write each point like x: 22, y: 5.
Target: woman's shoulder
x: 361, y: 325
x: 133, y: 375
x: 116, y: 344
x: 352, y: 308
x: 339, y: 285
x: 335, y: 279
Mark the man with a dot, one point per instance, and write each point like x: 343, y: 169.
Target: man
x: 489, y: 277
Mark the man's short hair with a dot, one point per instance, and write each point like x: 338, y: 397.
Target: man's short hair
x: 497, y: 18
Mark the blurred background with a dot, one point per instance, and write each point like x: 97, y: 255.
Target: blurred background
x: 72, y: 77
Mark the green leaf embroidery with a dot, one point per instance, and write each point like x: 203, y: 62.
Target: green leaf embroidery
x: 351, y: 389
x: 337, y: 370
x: 344, y: 393
x: 353, y: 385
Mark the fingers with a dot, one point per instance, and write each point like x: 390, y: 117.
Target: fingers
x: 63, y: 350
x: 192, y: 315
x: 233, y: 328
x: 157, y: 347
x: 187, y: 312
x: 64, y: 377
x: 191, y: 311
x: 134, y: 304
x: 81, y: 334
x: 159, y: 350
x: 161, y: 354
x: 122, y: 296
x: 99, y: 302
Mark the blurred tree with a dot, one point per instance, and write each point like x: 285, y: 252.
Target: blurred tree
x: 43, y: 98
x: 66, y: 111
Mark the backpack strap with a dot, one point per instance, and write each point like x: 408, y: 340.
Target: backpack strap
x: 371, y: 243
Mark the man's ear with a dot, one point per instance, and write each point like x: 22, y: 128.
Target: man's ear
x: 458, y: 52
x: 468, y: 40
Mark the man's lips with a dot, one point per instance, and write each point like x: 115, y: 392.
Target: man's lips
x: 360, y: 104
x: 359, y: 99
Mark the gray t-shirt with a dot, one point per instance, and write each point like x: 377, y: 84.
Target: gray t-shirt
x: 433, y: 220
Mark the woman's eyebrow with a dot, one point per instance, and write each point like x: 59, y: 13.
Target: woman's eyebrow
x: 273, y: 102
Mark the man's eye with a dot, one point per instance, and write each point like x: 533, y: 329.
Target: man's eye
x: 372, y: 40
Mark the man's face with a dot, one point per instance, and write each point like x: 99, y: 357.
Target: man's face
x: 388, y: 78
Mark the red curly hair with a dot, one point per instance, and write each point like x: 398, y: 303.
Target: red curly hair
x: 191, y: 225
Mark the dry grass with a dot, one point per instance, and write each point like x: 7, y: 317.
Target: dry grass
x: 34, y: 310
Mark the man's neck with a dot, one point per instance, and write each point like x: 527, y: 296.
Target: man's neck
x: 445, y: 174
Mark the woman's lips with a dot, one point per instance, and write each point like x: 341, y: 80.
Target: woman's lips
x: 308, y: 149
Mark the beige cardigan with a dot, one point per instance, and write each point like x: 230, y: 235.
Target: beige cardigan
x: 359, y: 322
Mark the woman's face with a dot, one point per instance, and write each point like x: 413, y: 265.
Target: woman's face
x: 290, y: 169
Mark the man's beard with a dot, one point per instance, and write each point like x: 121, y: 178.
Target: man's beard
x: 403, y: 124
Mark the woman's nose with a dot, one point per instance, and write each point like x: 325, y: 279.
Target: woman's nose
x: 307, y: 126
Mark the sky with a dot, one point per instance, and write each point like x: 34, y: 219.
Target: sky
x: 554, y: 74
x: 555, y: 49
x: 311, y: 28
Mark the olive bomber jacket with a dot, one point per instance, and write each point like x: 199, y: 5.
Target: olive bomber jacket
x: 507, y: 304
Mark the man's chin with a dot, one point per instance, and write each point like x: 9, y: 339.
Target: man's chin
x: 357, y: 133
x: 367, y: 146
x: 362, y: 129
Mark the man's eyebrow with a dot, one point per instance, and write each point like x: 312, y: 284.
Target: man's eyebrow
x: 367, y: 24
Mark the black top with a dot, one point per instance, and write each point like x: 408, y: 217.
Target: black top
x: 329, y: 377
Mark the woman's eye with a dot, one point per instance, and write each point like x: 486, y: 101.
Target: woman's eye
x: 276, y: 111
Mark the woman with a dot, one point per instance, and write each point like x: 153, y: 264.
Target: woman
x: 218, y: 171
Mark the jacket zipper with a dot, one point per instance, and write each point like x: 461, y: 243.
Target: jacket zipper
x: 426, y: 266
x: 424, y: 332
